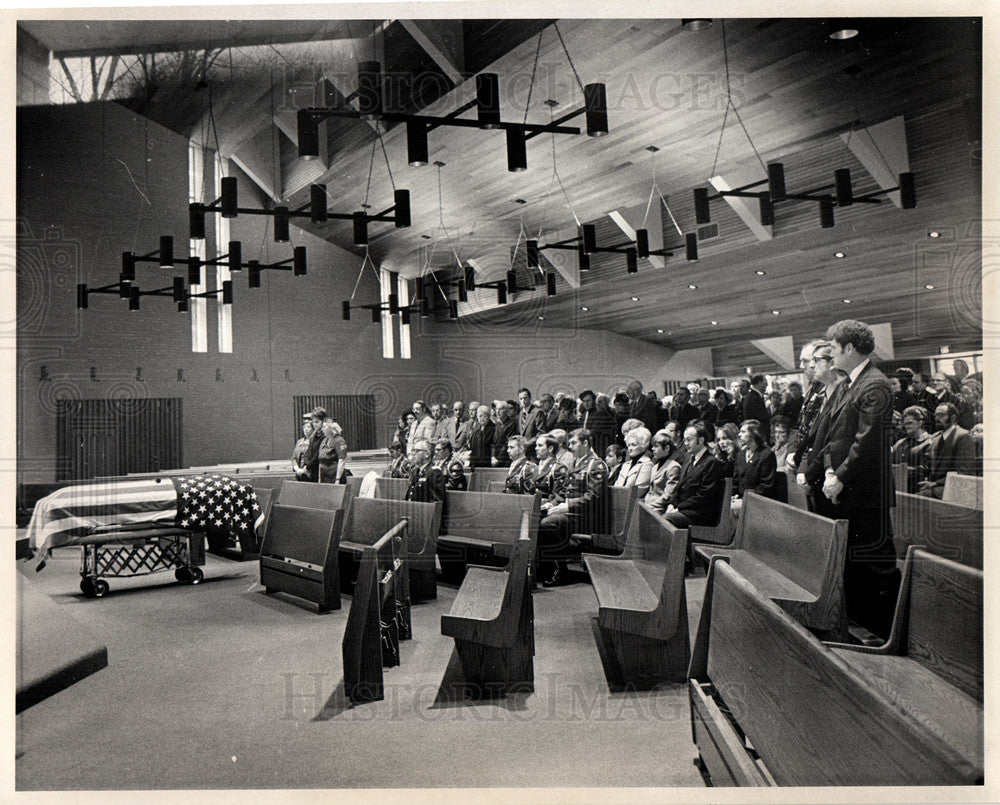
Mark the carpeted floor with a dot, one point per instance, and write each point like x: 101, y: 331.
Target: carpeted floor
x: 219, y: 686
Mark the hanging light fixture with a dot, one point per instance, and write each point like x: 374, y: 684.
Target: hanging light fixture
x: 369, y: 97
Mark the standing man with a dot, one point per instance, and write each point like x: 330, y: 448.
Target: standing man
x: 542, y: 419
x: 422, y: 427
x: 463, y: 425
x: 310, y: 461
x: 525, y: 411
x: 707, y: 412
x: 681, y: 409
x: 754, y: 404
x: 506, y: 427
x: 584, y: 509
x: 739, y: 389
x: 426, y: 480
x: 640, y: 406
x: 587, y: 401
x: 851, y: 452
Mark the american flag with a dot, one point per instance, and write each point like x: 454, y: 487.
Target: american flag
x: 209, y: 502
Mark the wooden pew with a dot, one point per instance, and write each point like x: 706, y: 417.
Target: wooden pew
x: 965, y: 490
x: 313, y: 496
x: 369, y: 518
x: 932, y: 663
x: 901, y: 477
x: 371, y: 640
x: 492, y: 621
x: 771, y: 705
x: 794, y: 557
x: 623, y: 500
x: 480, y: 477
x: 722, y: 532
x: 946, y: 529
x: 354, y: 484
x: 796, y: 495
x: 642, y: 623
x: 299, y: 554
x: 483, y: 527
x: 391, y: 488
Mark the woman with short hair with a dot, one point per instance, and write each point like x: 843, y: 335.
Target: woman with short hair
x: 637, y: 468
x: 333, y: 454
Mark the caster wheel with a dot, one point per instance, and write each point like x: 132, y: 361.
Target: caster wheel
x: 183, y: 574
x: 87, y: 588
x: 101, y: 588
x: 196, y: 575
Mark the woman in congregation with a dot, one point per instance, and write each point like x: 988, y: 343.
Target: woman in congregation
x: 481, y: 440
x: 665, y: 472
x: 300, y: 450
x: 637, y: 468
x: 726, y: 445
x: 914, y: 449
x: 333, y: 455
x: 406, y: 419
x: 755, y: 465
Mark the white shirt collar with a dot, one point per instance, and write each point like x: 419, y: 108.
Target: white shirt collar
x: 857, y: 370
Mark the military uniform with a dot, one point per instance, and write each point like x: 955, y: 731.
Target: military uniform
x: 549, y: 477
x: 398, y: 468
x: 521, y: 477
x: 585, y: 494
x: 426, y: 484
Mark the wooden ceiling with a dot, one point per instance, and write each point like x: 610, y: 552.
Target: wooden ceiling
x: 795, y: 89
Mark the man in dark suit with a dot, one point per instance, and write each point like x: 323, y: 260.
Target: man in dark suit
x: 681, y: 409
x: 542, y: 418
x: 426, y: 481
x: 923, y: 395
x: 754, y: 404
x: 641, y: 407
x: 697, y: 498
x: 851, y: 454
x: 707, y: 411
x: 952, y: 450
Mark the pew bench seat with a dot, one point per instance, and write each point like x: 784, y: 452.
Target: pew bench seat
x: 768, y: 581
x: 621, y: 585
x: 935, y: 703
x: 479, y: 599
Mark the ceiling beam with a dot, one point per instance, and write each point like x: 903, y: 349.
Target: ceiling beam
x: 749, y: 214
x: 622, y: 217
x: 882, y: 150
x: 779, y: 350
x: 443, y: 41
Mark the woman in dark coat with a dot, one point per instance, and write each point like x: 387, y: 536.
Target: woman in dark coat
x: 481, y: 439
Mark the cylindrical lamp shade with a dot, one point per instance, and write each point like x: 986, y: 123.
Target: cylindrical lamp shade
x: 418, y: 288
x: 452, y: 308
x: 235, y: 255
x: 470, y: 278
x: 253, y: 274
x: 299, y: 261
x: 308, y: 133
x: 180, y: 292
x: 517, y: 151
x: 488, y: 100
x: 589, y: 238
x: 907, y: 191
x: 463, y: 293
x: 401, y: 200
x: 230, y: 205
x: 317, y: 203
x: 596, y: 105
x: 346, y: 311
x: 196, y: 221
x: 81, y: 296
x: 416, y: 143
x: 128, y: 266
x: 531, y: 249
x: 404, y: 316
x: 133, y: 299
x: 425, y: 308
x: 550, y: 283
x: 501, y: 294
x: 227, y: 292
x: 369, y: 96
x: 842, y: 181
x: 702, y: 211
x: 166, y: 251
x: 691, y: 246
x: 376, y: 315
x: 826, y: 214
x: 642, y: 243
x: 584, y: 259
x: 360, y: 228
x: 194, y: 271
x: 776, y: 180
x: 512, y: 281
x: 182, y: 306
x: 631, y: 261
x: 393, y: 304
x: 766, y: 209
x: 281, y: 234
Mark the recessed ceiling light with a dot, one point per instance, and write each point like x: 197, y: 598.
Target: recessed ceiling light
x: 660, y: 331
x: 714, y: 322
x: 693, y: 287
x: 930, y: 287
x: 847, y: 301
x: 776, y: 312
x: 839, y: 255
x: 585, y: 308
x: 541, y: 318
x: 934, y: 234
x: 635, y: 298
x: 760, y: 272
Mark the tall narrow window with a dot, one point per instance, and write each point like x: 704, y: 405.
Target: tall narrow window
x: 222, y: 273
x: 197, y: 307
x: 403, y: 289
x: 384, y: 289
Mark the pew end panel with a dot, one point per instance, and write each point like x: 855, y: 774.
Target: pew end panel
x: 313, y: 496
x: 492, y: 622
x: 722, y: 532
x: 809, y: 717
x: 965, y: 490
x: 299, y: 554
x: 623, y: 501
x: 391, y: 488
x: 946, y: 529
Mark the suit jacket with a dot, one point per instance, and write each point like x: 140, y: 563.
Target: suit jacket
x: 683, y: 414
x: 663, y: 479
x: 463, y: 430
x: 954, y: 453
x: 754, y: 407
x: 757, y: 475
x: 728, y: 414
x: 698, y: 493
x: 426, y: 484
x: 916, y: 455
x: 792, y: 407
x: 481, y: 444
x: 852, y: 439
x: 644, y: 409
x: 446, y: 428
x: 708, y: 412
x: 808, y: 424
x: 504, y: 430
